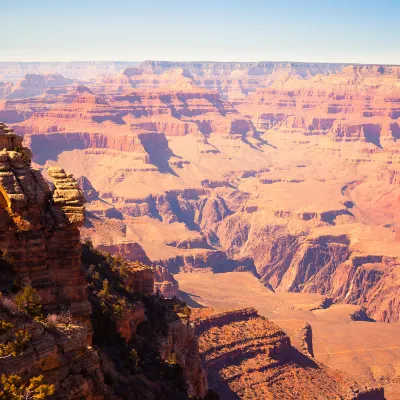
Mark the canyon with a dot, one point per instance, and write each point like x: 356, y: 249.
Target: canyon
x: 280, y: 175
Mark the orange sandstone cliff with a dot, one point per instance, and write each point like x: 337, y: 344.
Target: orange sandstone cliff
x: 110, y: 339
x: 249, y: 357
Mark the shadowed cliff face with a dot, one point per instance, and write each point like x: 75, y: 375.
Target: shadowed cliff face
x: 49, y: 315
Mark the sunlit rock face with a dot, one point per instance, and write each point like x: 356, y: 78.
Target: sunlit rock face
x: 199, y: 175
x: 40, y: 228
x: 41, y: 240
x: 244, y: 354
x: 288, y: 171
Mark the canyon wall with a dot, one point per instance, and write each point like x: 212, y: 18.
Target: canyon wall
x: 285, y: 170
x: 248, y: 181
x: 54, y: 326
x: 248, y: 356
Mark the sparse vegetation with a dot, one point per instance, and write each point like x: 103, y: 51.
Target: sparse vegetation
x: 5, y: 327
x: 172, y: 359
x: 182, y: 308
x: 110, y: 297
x: 15, y: 346
x: 12, y: 388
x: 28, y: 302
x: 55, y: 320
x: 134, y: 357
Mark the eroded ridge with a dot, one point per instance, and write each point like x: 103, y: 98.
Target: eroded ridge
x: 249, y: 357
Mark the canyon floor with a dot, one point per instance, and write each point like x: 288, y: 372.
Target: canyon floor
x: 360, y: 348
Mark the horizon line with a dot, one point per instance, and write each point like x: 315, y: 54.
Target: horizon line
x: 202, y: 61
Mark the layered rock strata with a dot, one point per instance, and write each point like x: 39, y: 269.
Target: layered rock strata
x: 41, y: 248
x: 165, y: 284
x: 249, y: 357
x: 40, y: 238
x: 39, y: 229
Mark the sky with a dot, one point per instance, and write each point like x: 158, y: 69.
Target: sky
x: 351, y: 31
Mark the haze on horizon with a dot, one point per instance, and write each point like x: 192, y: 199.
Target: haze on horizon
x: 360, y: 31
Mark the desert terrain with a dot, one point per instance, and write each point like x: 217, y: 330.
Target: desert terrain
x: 342, y: 336
x: 265, y: 185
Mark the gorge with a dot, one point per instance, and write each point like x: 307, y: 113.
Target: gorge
x: 271, y: 186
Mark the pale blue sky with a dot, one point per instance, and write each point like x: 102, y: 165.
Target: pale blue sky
x: 247, y: 30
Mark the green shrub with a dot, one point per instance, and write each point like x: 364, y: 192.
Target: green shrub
x: 16, y: 346
x: 134, y: 356
x: 29, y: 302
x: 12, y: 388
x: 5, y: 327
x: 104, y: 293
x: 172, y: 359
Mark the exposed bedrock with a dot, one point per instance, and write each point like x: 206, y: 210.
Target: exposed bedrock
x: 165, y: 284
x: 249, y: 357
x: 128, y: 251
x: 279, y: 248
x: 48, y: 146
x: 40, y: 238
x: 325, y: 265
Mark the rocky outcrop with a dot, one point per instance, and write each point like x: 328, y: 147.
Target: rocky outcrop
x: 182, y: 343
x: 60, y: 353
x: 158, y: 333
x: 301, y: 337
x: 130, y: 319
x: 249, y: 357
x: 128, y: 251
x: 50, y: 331
x: 165, y: 284
x: 40, y: 238
x: 40, y: 229
x: 141, y: 279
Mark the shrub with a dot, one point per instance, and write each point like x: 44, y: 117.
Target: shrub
x: 22, y: 338
x: 104, y: 293
x: 15, y: 346
x: 172, y: 359
x: 54, y: 320
x: 28, y: 302
x: 12, y: 388
x: 182, y: 308
x: 134, y: 356
x: 119, y: 307
x: 5, y: 327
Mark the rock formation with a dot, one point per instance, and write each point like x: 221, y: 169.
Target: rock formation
x: 41, y: 240
x: 165, y: 284
x: 46, y: 328
x: 286, y: 170
x: 340, y: 335
x: 149, y: 134
x: 40, y: 228
x: 249, y: 357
